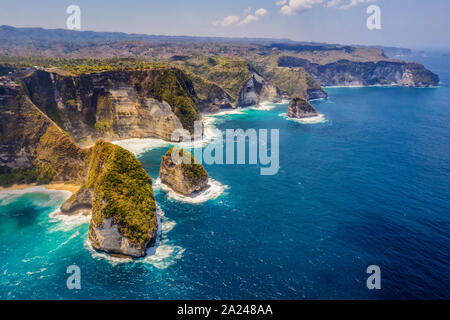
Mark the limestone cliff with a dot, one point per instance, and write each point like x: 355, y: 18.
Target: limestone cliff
x: 116, y: 104
x: 256, y: 90
x: 348, y: 73
x: 114, y: 186
x: 184, y: 175
x: 32, y: 147
x: 123, y: 206
x: 300, y: 108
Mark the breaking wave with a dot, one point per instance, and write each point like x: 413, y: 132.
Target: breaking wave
x: 213, y: 192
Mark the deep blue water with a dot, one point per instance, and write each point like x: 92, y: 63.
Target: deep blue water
x: 369, y: 186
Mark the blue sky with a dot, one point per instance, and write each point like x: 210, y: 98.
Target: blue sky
x: 407, y: 23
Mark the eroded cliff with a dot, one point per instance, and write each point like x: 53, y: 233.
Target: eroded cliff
x: 116, y: 104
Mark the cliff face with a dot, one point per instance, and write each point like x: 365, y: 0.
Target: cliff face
x: 346, y: 73
x: 185, y: 178
x: 116, y: 104
x: 119, y: 194
x: 257, y: 90
x: 114, y: 186
x: 290, y: 81
x: 32, y: 147
x: 227, y: 82
x: 300, y: 108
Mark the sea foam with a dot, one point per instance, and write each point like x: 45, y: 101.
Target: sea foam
x: 214, y: 190
x: 311, y: 120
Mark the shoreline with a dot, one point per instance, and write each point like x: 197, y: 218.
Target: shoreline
x: 72, y: 188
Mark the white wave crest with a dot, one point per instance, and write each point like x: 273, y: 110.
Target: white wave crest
x: 8, y: 195
x: 214, y: 190
x: 67, y: 222
x: 311, y: 120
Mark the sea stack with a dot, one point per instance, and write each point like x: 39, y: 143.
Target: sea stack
x: 123, y: 207
x: 300, y: 108
x: 182, y: 173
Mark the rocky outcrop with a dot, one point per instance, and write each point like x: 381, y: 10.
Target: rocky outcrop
x: 351, y: 73
x: 124, y: 218
x: 256, y: 90
x: 114, y: 186
x: 79, y: 203
x: 32, y: 147
x: 300, y: 108
x: 182, y: 173
x: 116, y: 104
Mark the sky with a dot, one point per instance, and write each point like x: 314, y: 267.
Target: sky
x: 416, y: 24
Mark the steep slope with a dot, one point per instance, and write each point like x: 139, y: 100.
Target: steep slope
x: 32, y: 147
x: 186, y: 176
x: 346, y: 72
x: 114, y: 186
x: 123, y: 206
x: 116, y: 104
x: 300, y: 108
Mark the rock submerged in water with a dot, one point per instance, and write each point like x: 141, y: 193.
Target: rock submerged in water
x: 185, y: 176
x: 300, y: 108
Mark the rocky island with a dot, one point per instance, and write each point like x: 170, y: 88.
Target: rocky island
x: 113, y: 184
x: 185, y: 176
x: 300, y: 108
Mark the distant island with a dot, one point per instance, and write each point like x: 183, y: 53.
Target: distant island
x: 60, y: 109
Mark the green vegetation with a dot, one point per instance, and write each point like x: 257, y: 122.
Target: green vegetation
x: 76, y: 66
x: 293, y: 81
x: 192, y: 169
x: 173, y: 86
x: 230, y: 73
x: 18, y: 176
x: 122, y: 191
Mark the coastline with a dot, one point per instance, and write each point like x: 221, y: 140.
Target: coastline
x: 72, y: 188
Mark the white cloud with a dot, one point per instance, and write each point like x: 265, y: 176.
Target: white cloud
x: 227, y: 21
x: 249, y: 18
x: 261, y: 12
x: 298, y: 6
x: 281, y: 3
x: 354, y: 3
x: 333, y: 3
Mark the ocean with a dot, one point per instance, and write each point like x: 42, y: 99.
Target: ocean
x: 368, y: 185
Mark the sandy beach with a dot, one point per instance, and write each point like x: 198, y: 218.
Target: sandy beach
x: 54, y: 186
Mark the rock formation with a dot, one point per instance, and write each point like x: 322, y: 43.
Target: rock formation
x: 257, y: 90
x: 116, y: 105
x: 184, y: 175
x: 300, y: 108
x: 346, y: 73
x: 124, y: 217
x: 114, y: 186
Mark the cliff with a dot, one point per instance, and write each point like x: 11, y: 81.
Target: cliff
x: 227, y: 82
x: 300, y: 108
x: 123, y: 206
x: 186, y: 176
x: 116, y: 104
x: 256, y: 90
x: 32, y: 147
x: 290, y: 81
x: 346, y: 73
x: 114, y: 186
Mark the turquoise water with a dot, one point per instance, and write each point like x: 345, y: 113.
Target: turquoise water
x: 371, y: 185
